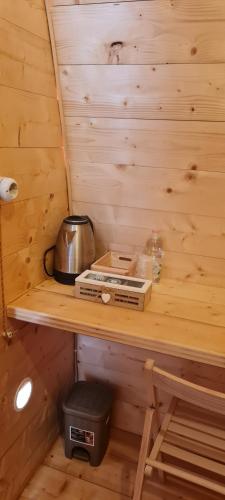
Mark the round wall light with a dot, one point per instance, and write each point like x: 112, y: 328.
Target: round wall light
x: 23, y: 394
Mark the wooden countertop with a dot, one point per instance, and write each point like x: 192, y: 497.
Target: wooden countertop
x: 182, y: 319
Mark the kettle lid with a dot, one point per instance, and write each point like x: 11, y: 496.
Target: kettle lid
x: 76, y: 219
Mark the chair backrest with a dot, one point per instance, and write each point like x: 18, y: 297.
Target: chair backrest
x: 185, y: 390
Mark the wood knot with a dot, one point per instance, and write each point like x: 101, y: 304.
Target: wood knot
x: 169, y: 190
x: 194, y: 167
x: 190, y: 177
x: 116, y: 45
x: 194, y: 51
x: 114, y: 53
x: 121, y: 166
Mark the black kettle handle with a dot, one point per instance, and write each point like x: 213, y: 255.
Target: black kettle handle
x: 44, y: 261
x: 91, y: 223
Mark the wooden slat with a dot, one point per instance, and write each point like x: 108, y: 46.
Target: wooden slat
x: 193, y: 478
x: 144, y: 450
x: 28, y: 120
x: 195, y: 447
x: 150, y: 32
x: 29, y: 16
x: 203, y: 427
x: 194, y: 459
x: 149, y: 188
x: 188, y: 8
x: 26, y: 62
x: 188, y: 391
x: 197, y: 436
x: 166, y: 92
x: 183, y: 145
x: 195, y: 269
x: 180, y: 232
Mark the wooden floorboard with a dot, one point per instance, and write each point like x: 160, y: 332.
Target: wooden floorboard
x: 65, y: 479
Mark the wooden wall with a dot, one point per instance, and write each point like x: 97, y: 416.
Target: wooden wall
x: 30, y: 151
x: 30, y: 144
x: 123, y: 368
x: 143, y: 86
x: 143, y: 96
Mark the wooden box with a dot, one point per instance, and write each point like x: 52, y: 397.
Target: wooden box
x: 113, y: 289
x: 116, y: 263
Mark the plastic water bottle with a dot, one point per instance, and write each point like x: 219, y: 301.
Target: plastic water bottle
x: 157, y: 255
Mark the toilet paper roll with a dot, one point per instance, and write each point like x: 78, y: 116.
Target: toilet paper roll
x: 8, y: 189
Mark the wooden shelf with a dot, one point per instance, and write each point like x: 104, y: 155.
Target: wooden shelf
x: 182, y: 319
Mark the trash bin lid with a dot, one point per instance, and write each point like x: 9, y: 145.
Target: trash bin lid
x: 90, y: 400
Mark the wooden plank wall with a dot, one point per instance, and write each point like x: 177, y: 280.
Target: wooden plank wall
x: 123, y: 368
x: 30, y: 144
x: 30, y: 151
x: 143, y: 96
x: 143, y: 87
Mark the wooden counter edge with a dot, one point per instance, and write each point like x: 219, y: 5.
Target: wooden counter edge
x: 172, y: 349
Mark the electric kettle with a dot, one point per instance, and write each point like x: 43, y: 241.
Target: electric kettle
x: 74, y: 250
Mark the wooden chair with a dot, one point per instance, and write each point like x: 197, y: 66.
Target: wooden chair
x: 191, y: 441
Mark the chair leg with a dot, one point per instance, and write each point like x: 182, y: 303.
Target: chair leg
x: 144, y: 452
x: 161, y: 474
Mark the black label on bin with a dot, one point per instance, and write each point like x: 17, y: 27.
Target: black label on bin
x: 82, y: 436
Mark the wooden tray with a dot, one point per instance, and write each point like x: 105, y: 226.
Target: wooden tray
x: 117, y: 263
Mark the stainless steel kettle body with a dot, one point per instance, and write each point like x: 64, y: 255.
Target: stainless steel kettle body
x: 75, y: 248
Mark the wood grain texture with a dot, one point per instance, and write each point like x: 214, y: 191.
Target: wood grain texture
x: 26, y: 62
x: 123, y: 367
x: 29, y: 16
x: 145, y: 139
x: 149, y: 188
x: 28, y: 435
x: 188, y: 8
x: 63, y: 478
x: 164, y: 144
x: 175, y: 336
x: 139, y: 33
x: 30, y: 152
x: 28, y: 120
x: 167, y: 92
x: 131, y: 226
x: 38, y: 170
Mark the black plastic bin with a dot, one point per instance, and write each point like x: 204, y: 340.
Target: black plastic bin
x: 87, y: 412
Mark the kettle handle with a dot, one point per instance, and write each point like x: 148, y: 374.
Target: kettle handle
x: 91, y: 223
x: 44, y: 261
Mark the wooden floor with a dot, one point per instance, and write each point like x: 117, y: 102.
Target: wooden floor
x: 63, y: 479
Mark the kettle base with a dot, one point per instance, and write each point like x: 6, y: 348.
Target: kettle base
x: 65, y: 278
